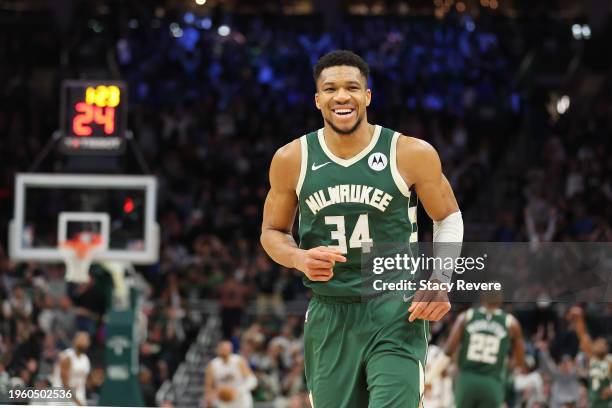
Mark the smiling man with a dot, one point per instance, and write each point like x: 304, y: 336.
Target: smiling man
x: 355, y: 184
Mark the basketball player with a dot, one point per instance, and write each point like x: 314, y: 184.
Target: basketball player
x: 600, y: 362
x: 355, y: 183
x: 229, y: 380
x: 73, y: 367
x: 485, y: 335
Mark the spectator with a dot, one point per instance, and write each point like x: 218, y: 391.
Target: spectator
x: 565, y: 388
x: 267, y: 289
x: 528, y: 383
x: 232, y: 296
x: 48, y: 356
x: 536, y: 233
x: 5, y: 381
x: 18, y: 306
x: 146, y: 385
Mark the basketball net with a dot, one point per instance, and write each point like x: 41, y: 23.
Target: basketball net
x: 78, y: 254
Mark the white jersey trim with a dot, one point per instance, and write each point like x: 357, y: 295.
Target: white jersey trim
x: 354, y: 159
x: 304, y: 164
x: 421, y: 380
x: 397, y: 177
x: 509, y: 320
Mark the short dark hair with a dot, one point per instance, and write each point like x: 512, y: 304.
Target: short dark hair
x: 341, y: 57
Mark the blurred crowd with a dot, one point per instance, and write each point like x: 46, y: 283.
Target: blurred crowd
x: 210, y: 105
x: 41, y: 313
x: 567, y: 183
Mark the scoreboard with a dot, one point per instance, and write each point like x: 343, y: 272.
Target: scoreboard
x: 93, y: 116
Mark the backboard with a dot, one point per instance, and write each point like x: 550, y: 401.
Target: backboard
x: 51, y: 208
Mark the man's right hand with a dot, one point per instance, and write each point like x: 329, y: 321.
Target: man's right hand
x: 318, y: 263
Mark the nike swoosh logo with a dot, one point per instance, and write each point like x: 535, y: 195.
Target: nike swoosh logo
x: 315, y: 167
x: 407, y: 299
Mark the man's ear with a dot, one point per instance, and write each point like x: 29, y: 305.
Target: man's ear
x: 368, y: 96
x: 316, y: 98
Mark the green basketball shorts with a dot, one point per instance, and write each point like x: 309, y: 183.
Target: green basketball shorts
x: 478, y: 391
x: 363, y: 354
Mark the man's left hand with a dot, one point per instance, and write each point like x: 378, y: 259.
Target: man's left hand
x: 429, y: 305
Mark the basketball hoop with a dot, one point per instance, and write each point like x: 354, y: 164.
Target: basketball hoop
x: 78, y: 254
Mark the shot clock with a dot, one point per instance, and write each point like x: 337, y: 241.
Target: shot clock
x: 93, y: 116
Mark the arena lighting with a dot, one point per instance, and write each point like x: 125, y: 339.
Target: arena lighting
x: 224, y: 30
x: 189, y: 18
x: 205, y: 23
x: 200, y: 2
x: 95, y: 26
x: 586, y: 31
x: 563, y: 104
x: 176, y: 30
x: 581, y: 32
x: 128, y: 205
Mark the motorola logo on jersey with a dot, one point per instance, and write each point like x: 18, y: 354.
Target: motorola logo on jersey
x: 377, y: 161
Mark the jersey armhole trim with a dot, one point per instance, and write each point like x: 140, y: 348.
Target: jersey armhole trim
x: 303, y: 166
x: 397, y: 177
x: 509, y: 320
x: 469, y: 314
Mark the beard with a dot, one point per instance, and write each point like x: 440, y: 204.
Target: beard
x: 600, y: 354
x: 81, y: 349
x: 343, y: 131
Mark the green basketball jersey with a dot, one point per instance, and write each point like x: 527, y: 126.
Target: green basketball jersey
x: 486, y: 343
x: 599, y: 379
x: 350, y: 203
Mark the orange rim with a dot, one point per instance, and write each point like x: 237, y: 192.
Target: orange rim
x: 80, y: 248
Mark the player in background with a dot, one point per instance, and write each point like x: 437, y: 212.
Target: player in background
x: 228, y: 380
x: 438, y: 394
x: 485, y: 336
x: 599, y: 361
x: 73, y: 367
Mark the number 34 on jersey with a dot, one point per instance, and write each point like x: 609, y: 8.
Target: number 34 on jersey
x: 359, y: 236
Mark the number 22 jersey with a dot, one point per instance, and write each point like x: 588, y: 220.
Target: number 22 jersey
x: 486, y: 342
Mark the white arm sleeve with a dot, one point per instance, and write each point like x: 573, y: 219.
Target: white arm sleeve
x: 449, y: 233
x: 250, y: 383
